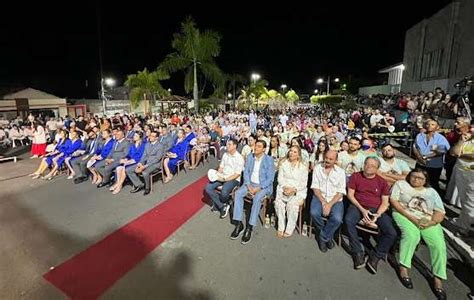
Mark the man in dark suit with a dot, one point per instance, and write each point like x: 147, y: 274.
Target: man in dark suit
x: 93, y: 146
x: 108, y: 165
x: 150, y: 162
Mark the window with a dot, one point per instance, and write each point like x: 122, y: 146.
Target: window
x: 431, y: 64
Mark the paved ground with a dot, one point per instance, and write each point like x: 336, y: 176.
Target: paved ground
x: 43, y: 224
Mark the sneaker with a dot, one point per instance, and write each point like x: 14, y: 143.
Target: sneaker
x: 372, y: 263
x: 359, y: 261
x: 225, y: 211
x: 331, y: 244
x: 322, y: 245
x: 247, y: 235
x: 239, y: 228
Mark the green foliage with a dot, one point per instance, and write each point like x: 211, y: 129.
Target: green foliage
x: 326, y: 99
x: 292, y: 96
x: 146, y: 85
x: 195, y: 51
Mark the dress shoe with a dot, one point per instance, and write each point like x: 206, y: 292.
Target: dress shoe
x: 331, y: 244
x: 239, y: 228
x: 137, y: 189
x: 322, y: 245
x: 359, y: 261
x: 372, y: 263
x: 146, y: 192
x: 247, y: 235
x: 102, y: 184
x: 406, y: 281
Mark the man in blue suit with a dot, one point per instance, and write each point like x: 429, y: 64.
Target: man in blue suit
x: 259, y: 174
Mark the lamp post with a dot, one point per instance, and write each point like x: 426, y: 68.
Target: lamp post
x: 283, y: 87
x: 105, y: 82
x: 255, y: 77
x: 328, y: 82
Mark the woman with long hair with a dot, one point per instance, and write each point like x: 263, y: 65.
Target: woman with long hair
x: 318, y: 155
x: 291, y: 191
x: 276, y: 149
x: 51, y: 158
x: 250, y: 146
x: 296, y: 141
x: 175, y: 155
x: 70, y: 146
x: 418, y: 212
x: 133, y: 157
x: 202, y: 146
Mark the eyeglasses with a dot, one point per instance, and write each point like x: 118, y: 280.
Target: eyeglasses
x: 418, y: 177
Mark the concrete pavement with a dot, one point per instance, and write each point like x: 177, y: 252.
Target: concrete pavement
x: 42, y: 224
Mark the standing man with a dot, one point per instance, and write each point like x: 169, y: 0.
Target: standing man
x: 429, y: 150
x: 369, y: 197
x: 230, y: 169
x: 259, y: 174
x: 329, y: 186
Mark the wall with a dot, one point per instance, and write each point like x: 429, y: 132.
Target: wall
x: 375, y: 89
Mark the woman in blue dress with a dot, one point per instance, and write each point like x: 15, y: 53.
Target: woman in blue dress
x: 134, y: 155
x: 74, y: 143
x: 107, y: 146
x: 175, y: 155
x: 49, y: 159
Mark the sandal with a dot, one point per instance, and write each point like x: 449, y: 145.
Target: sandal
x: 440, y: 294
x: 280, y: 234
x: 406, y: 281
x: 287, y: 235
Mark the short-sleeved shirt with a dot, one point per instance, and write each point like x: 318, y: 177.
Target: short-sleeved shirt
x: 351, y: 163
x: 420, y: 203
x: 369, y: 191
x: 398, y: 167
x: 426, y: 148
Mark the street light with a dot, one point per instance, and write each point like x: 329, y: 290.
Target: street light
x: 255, y: 77
x: 109, y: 82
x: 229, y: 96
x: 316, y: 91
x: 283, y: 87
x: 328, y: 82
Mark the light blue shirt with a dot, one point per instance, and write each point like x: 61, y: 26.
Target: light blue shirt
x: 426, y: 148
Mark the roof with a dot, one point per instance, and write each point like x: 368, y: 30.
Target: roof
x: 392, y: 67
x: 28, y: 93
x: 174, y: 98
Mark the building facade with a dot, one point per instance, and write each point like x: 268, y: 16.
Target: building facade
x: 439, y: 50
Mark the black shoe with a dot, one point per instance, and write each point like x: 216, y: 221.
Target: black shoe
x: 111, y: 183
x: 372, y: 263
x: 239, y: 228
x: 136, y: 189
x: 80, y: 179
x: 146, y: 192
x: 406, y: 281
x: 247, y: 235
x: 322, y: 245
x: 440, y: 294
x: 102, y: 184
x: 359, y: 261
x: 224, y: 211
x: 214, y: 208
x: 331, y: 244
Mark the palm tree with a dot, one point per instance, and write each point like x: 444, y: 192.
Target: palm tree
x: 195, y: 51
x: 146, y: 86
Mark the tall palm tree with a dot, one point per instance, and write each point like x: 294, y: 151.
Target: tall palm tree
x: 146, y: 86
x: 195, y: 51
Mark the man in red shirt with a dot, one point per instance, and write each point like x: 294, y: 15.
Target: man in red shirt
x: 369, y: 197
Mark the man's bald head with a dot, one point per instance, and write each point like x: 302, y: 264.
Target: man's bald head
x: 330, y: 158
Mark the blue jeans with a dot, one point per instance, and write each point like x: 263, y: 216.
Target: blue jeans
x: 387, y: 234
x: 334, y: 220
x: 219, y: 199
x: 256, y: 204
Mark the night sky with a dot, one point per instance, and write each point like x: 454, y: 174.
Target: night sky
x: 55, y: 47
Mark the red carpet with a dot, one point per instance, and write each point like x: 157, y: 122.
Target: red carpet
x: 90, y: 273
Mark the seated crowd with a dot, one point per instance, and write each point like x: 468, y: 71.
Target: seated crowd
x: 325, y: 159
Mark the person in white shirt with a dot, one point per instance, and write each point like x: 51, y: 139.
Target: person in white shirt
x: 291, y: 191
x: 329, y: 186
x: 352, y: 160
x: 283, y: 119
x: 375, y: 118
x: 230, y: 169
x: 391, y: 168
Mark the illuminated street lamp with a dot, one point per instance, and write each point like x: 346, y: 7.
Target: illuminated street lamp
x: 105, y: 82
x: 255, y: 77
x: 316, y: 91
x: 328, y: 82
x: 283, y: 87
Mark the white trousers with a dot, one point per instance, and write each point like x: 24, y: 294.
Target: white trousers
x: 465, y: 184
x: 290, y: 207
